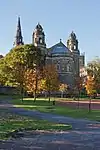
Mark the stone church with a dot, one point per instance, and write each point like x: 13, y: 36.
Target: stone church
x: 67, y: 58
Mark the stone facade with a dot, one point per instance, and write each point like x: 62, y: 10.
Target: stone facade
x: 67, y: 57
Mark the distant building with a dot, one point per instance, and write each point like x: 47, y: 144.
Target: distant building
x: 67, y: 58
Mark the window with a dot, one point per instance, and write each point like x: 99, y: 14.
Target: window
x: 68, y: 68
x: 74, y: 46
x: 58, y: 67
x: 40, y: 40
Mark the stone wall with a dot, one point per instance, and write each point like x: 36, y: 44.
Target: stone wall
x: 7, y: 90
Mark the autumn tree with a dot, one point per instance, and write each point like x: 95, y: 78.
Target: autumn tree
x: 32, y: 82
x: 90, y: 88
x: 50, y: 82
x: 63, y: 88
x: 93, y: 70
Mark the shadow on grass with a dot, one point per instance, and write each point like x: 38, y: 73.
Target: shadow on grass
x: 10, y: 122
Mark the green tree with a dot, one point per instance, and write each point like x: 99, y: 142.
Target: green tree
x: 16, y: 61
x: 3, y: 68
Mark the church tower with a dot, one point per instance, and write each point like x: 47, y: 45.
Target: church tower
x: 18, y: 37
x: 72, y: 44
x: 38, y: 37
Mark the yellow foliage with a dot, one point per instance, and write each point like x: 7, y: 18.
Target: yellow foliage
x: 90, y: 85
x: 32, y: 80
x: 50, y: 81
x: 63, y: 87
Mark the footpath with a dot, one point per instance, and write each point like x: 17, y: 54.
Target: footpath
x: 85, y: 134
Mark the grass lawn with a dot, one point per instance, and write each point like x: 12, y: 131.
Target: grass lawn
x: 44, y: 106
x: 10, y: 122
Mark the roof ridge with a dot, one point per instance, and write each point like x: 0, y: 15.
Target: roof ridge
x: 59, y: 48
x: 58, y: 44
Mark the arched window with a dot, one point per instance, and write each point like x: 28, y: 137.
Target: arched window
x: 40, y: 40
x: 68, y: 68
x: 74, y: 47
x: 58, y: 67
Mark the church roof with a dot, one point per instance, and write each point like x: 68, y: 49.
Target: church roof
x: 38, y: 29
x: 59, y: 49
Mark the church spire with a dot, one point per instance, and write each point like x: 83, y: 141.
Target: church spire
x: 18, y: 38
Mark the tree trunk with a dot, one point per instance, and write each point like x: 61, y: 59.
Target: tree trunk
x: 35, y: 91
x: 45, y: 95
x: 62, y: 95
x: 34, y: 95
x: 90, y: 104
x: 49, y: 95
x: 78, y: 99
x: 21, y: 92
x: 78, y: 102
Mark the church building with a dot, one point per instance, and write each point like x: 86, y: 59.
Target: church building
x: 66, y: 57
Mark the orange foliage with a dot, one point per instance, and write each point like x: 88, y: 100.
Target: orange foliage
x: 63, y: 87
x: 32, y: 80
x: 51, y: 82
x: 90, y: 85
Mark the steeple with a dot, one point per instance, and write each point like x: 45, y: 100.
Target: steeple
x: 18, y: 37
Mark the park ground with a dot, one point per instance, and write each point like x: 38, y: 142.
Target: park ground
x: 85, y: 133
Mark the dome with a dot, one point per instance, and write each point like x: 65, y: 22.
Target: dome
x: 59, y: 49
x: 72, y: 35
x: 38, y: 30
x: 39, y: 27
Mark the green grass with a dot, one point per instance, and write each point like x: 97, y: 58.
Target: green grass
x: 11, y: 122
x: 45, y: 106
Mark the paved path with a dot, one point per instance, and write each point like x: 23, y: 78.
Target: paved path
x: 85, y: 134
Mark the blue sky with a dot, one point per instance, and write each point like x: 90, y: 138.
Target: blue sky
x: 58, y: 18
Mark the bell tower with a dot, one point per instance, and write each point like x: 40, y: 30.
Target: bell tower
x: 72, y: 43
x: 38, y: 37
